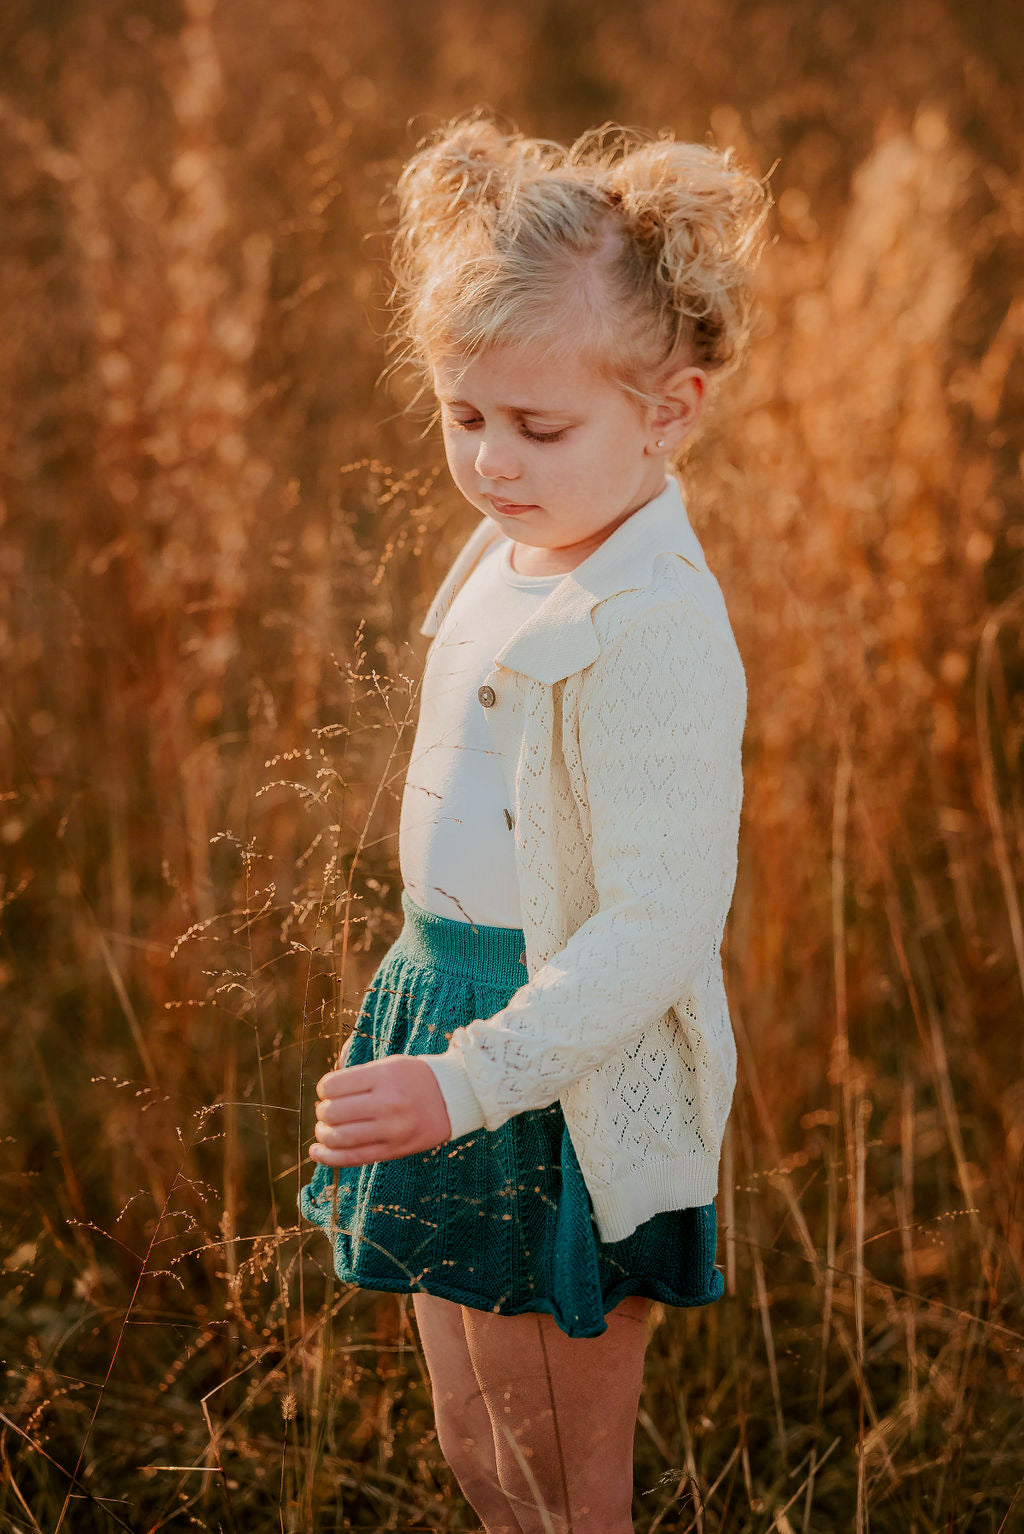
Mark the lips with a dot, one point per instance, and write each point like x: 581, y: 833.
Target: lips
x: 509, y: 507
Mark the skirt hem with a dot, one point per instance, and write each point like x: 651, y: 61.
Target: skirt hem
x: 648, y: 1289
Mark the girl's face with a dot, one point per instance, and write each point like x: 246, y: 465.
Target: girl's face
x: 557, y: 455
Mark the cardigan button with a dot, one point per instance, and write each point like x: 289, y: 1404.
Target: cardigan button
x: 487, y: 696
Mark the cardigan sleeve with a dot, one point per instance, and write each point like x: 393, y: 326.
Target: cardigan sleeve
x: 661, y: 718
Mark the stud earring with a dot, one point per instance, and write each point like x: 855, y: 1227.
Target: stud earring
x: 659, y: 443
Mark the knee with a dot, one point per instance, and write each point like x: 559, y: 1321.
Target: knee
x: 529, y: 1469
x: 470, y: 1460
x: 592, y: 1491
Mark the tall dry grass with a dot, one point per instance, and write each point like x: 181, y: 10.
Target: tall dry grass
x: 217, y: 541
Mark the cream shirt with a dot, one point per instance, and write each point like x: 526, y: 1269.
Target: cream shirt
x: 455, y: 845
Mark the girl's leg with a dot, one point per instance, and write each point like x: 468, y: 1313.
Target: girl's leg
x: 564, y: 1412
x: 463, y: 1421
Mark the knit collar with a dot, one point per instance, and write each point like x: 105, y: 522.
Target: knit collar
x: 558, y: 637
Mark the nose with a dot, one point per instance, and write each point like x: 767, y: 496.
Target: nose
x: 494, y: 461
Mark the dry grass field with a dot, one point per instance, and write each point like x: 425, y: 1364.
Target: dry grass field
x: 218, y: 534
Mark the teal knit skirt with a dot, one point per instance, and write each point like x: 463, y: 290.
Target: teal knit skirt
x: 498, y: 1220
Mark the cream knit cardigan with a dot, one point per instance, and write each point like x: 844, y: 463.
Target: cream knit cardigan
x: 618, y: 709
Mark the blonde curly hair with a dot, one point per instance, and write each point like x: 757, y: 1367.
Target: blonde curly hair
x: 628, y: 248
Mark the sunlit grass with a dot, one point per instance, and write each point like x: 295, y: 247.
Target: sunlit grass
x: 216, y: 543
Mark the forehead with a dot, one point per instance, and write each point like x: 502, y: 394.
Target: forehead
x: 525, y: 377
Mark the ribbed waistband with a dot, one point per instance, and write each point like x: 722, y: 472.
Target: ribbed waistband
x: 488, y: 955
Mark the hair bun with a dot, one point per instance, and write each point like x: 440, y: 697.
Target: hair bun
x: 707, y: 207
x: 463, y: 166
x: 467, y: 168
x: 704, y: 212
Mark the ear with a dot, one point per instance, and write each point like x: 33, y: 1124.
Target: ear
x: 681, y: 399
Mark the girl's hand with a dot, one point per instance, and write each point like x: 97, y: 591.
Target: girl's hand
x: 375, y: 1112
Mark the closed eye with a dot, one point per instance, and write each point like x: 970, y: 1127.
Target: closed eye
x: 533, y: 436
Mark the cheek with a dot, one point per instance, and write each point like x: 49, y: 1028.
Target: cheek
x: 455, y: 453
x: 460, y: 448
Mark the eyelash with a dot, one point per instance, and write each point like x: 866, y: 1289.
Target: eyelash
x: 532, y: 435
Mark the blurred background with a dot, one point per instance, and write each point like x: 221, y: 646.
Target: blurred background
x: 219, y: 530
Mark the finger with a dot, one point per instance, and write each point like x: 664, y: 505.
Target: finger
x: 353, y: 1079
x: 359, y: 1155
x: 348, y: 1110
x: 345, y: 1136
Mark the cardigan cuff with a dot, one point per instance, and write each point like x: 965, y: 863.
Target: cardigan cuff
x: 462, y: 1103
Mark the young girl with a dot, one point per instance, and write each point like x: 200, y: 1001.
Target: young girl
x: 528, y: 1117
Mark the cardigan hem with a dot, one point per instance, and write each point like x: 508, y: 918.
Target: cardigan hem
x: 659, y: 1185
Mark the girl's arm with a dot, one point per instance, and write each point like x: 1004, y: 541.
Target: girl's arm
x: 661, y: 721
